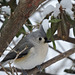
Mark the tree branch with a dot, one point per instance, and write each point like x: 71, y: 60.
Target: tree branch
x: 17, y: 19
x: 60, y: 52
x: 4, y: 69
x: 69, y: 39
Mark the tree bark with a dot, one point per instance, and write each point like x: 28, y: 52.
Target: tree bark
x: 17, y: 19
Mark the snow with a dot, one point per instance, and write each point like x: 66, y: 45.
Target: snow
x: 17, y: 1
x: 2, y: 17
x: 1, y: 24
x: 6, y: 9
x: 73, y: 1
x: 45, y: 24
x: 67, y: 5
x: 52, y: 7
x: 38, y: 16
x: 35, y: 18
x: 70, y: 12
x: 56, y: 10
x: 48, y: 10
x: 7, y: 0
x: 26, y: 29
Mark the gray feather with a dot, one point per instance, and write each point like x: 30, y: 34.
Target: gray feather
x: 19, y: 47
x: 23, y: 43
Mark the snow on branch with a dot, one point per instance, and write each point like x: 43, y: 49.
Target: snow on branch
x: 66, y: 6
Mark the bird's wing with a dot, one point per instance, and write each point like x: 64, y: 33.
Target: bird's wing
x: 18, y: 48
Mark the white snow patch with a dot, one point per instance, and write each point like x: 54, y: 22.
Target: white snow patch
x: 48, y: 9
x: 17, y: 1
x: 7, y: 0
x: 56, y: 10
x: 6, y: 9
x: 73, y: 1
x: 45, y: 24
x: 70, y: 12
x: 67, y: 5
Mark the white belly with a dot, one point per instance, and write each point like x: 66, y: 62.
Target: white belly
x: 35, y: 57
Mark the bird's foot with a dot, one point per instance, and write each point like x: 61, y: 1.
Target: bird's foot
x: 24, y: 72
x: 39, y: 68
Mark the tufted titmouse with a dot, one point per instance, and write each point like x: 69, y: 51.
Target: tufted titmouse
x: 33, y: 55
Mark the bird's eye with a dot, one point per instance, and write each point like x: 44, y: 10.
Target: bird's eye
x: 40, y: 39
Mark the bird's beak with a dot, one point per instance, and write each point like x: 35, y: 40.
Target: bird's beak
x: 46, y: 40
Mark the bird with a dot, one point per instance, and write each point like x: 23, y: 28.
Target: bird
x: 30, y: 51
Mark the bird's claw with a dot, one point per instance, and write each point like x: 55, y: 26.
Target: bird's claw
x: 24, y: 72
x: 39, y: 68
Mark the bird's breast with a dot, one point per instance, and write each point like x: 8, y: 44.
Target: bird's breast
x: 36, y: 56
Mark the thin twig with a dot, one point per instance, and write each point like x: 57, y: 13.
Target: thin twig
x: 15, y: 70
x: 12, y: 70
x: 69, y: 39
x: 4, y: 69
x: 19, y: 54
x: 12, y: 50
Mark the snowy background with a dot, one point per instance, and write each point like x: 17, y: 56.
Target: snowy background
x: 58, y: 67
